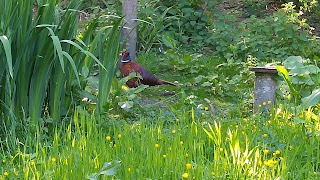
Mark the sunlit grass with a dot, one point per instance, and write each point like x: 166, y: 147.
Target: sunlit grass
x: 256, y: 147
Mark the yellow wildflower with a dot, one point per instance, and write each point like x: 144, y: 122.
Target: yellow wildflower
x: 125, y: 88
x: 270, y: 163
x: 221, y: 149
x: 108, y: 138
x: 6, y: 173
x: 281, y: 158
x: 266, y: 151
x: 213, y: 174
x: 188, y: 166
x: 245, y: 120
x: 119, y: 136
x: 173, y: 131
x: 53, y: 160
x: 206, y: 108
x: 181, y: 142
x: 32, y: 163
x: 269, y: 102
x: 265, y: 135
x: 157, y: 145
x: 185, y: 175
x: 264, y: 103
x: 277, y: 152
x: 164, y: 156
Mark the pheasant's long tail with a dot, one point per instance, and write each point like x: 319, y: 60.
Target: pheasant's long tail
x: 168, y: 83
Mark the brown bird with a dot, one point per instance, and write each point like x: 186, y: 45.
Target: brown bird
x: 127, y: 66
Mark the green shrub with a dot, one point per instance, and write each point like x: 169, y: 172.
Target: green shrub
x: 272, y: 38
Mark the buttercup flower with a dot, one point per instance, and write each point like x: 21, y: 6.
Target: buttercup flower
x: 185, y: 175
x: 157, y: 145
x: 188, y: 166
x: 53, y: 160
x: 108, y: 138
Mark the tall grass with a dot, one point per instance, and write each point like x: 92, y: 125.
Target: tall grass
x: 191, y: 148
x: 46, y: 62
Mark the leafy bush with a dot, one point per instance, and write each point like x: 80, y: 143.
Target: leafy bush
x: 272, y: 38
x: 185, y: 21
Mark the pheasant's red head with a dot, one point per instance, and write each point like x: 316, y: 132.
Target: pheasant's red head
x: 125, y: 57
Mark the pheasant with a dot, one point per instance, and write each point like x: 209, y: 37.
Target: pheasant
x: 127, y: 66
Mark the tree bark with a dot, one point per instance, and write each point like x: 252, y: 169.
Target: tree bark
x: 129, y: 10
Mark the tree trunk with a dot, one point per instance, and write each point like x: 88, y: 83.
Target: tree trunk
x: 129, y: 10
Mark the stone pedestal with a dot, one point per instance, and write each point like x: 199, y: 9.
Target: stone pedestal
x: 264, y: 87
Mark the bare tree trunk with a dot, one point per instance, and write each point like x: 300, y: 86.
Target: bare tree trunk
x: 129, y: 10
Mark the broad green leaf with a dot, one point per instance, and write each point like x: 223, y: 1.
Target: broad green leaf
x: 85, y: 71
x: 126, y: 105
x: 313, y: 69
x: 283, y: 71
x: 313, y: 99
x: 206, y: 84
x: 110, y: 168
x: 286, y: 77
x: 198, y: 79
x: 72, y: 65
x: 293, y: 61
x: 7, y: 49
x: 297, y: 120
x: 169, y: 42
x: 58, y: 48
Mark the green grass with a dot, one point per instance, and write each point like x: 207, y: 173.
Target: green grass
x: 228, y: 148
x: 172, y: 137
